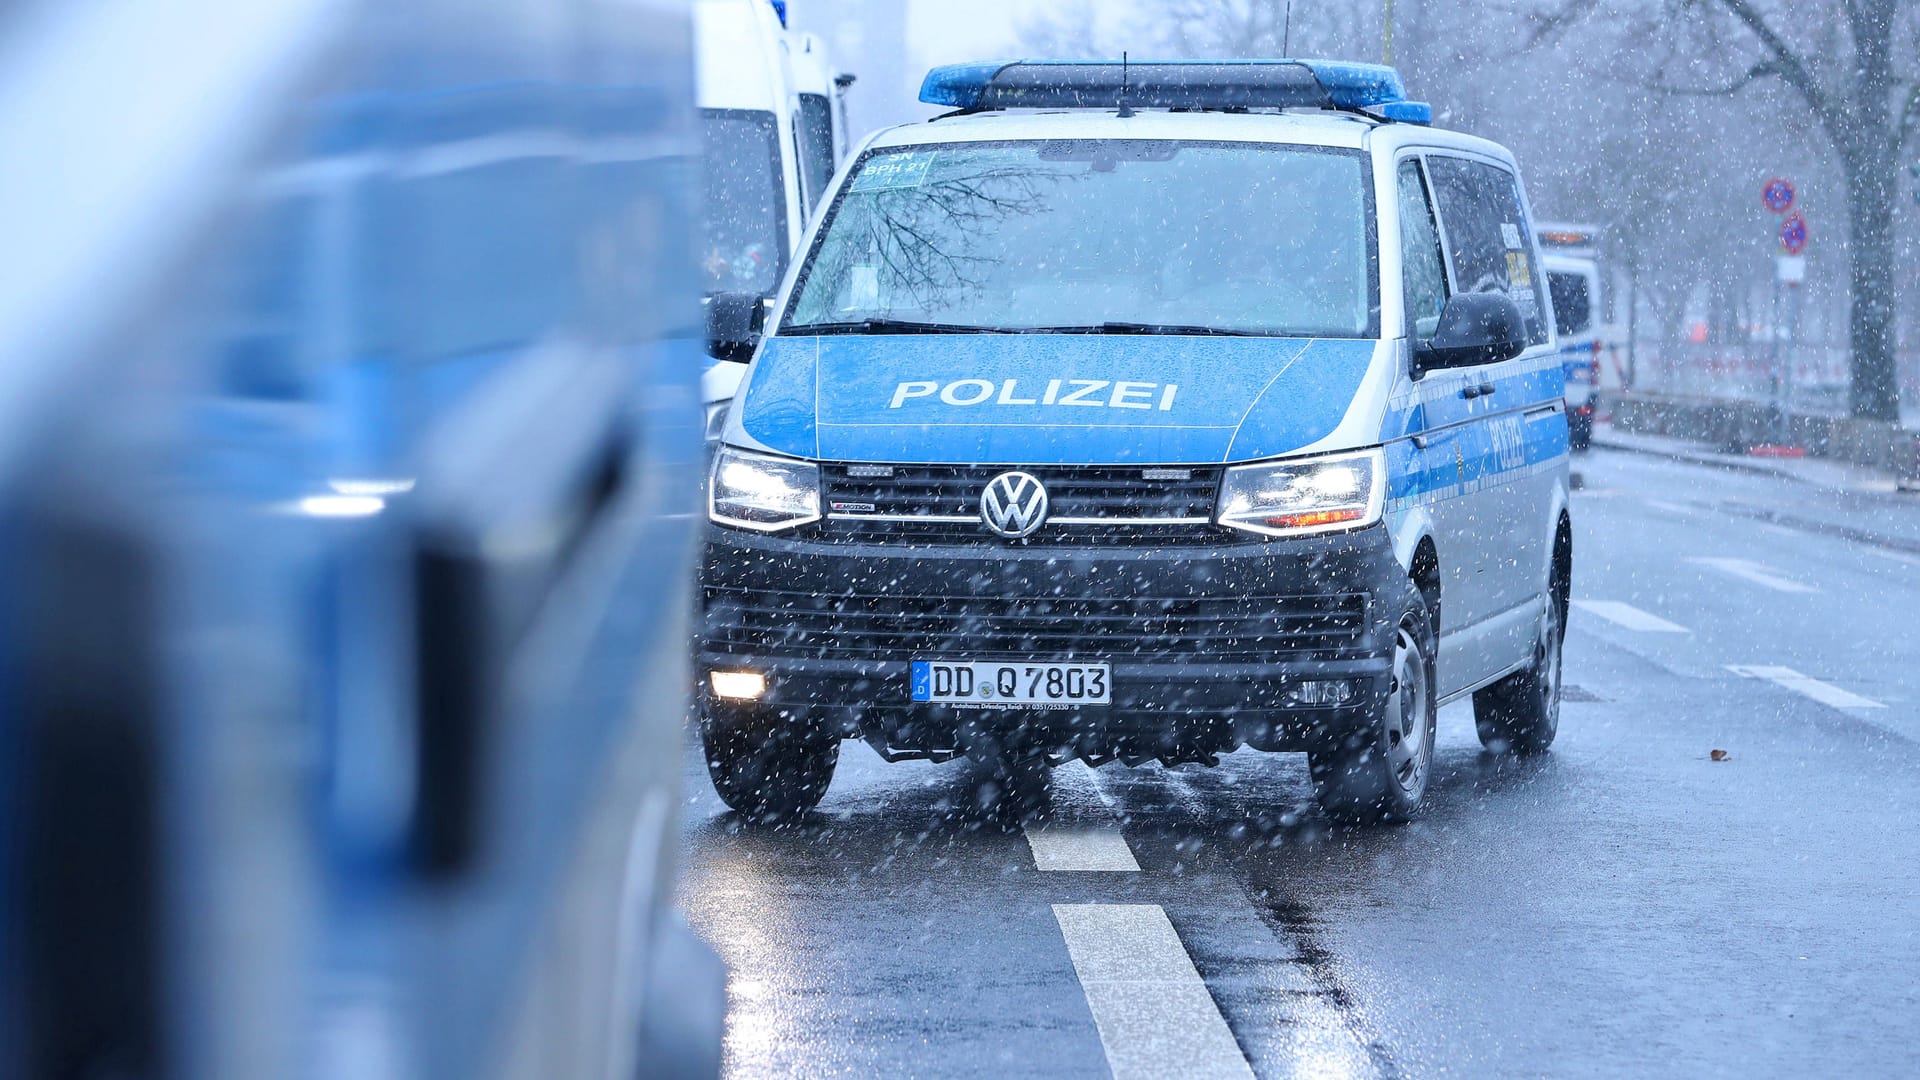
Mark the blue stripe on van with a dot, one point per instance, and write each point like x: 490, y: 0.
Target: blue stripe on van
x: 1471, y: 444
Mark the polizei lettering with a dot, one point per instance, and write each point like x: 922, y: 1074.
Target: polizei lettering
x: 1065, y: 393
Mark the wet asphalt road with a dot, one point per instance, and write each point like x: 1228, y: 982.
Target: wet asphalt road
x: 1625, y: 905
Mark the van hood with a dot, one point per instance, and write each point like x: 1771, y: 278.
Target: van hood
x: 1047, y: 399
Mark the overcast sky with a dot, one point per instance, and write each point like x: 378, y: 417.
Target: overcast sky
x: 943, y: 31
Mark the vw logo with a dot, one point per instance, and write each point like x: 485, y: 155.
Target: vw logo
x: 1014, y: 505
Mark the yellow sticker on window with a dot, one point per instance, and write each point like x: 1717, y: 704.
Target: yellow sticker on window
x: 1518, y: 272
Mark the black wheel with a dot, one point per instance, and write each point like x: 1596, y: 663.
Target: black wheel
x: 769, y: 767
x: 1381, y: 775
x: 1521, y: 713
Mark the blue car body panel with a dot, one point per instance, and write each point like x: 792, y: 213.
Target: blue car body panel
x: 1050, y: 399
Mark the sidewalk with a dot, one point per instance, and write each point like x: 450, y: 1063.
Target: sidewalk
x: 1819, y: 472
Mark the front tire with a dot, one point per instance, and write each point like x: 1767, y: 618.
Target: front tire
x: 769, y: 768
x: 1520, y: 714
x: 1382, y: 774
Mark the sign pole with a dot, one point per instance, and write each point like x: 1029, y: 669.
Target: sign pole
x: 1773, y: 339
x: 1779, y: 195
x: 1793, y: 336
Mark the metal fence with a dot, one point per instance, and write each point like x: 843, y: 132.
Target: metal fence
x: 1817, y: 376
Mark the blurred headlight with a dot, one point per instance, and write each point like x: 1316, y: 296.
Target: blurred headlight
x: 765, y: 494
x: 1299, y: 498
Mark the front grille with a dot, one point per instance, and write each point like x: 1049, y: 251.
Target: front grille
x: 773, y: 623
x: 1087, y: 505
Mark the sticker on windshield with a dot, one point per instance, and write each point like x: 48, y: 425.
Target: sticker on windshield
x: 1519, y: 274
x: 1511, y: 234
x: 892, y: 172
x: 863, y: 288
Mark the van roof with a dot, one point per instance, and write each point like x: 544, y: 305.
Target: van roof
x: 1304, y: 127
x: 1311, y: 127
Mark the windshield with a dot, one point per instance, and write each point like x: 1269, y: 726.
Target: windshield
x: 746, y: 248
x: 1089, y: 235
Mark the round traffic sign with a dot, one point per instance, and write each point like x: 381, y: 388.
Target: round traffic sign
x: 1778, y: 195
x: 1793, y: 234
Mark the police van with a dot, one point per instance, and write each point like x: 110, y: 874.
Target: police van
x: 771, y: 118
x: 1146, y: 411
x: 1588, y: 354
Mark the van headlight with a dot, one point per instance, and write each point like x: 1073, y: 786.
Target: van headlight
x: 765, y: 494
x: 1299, y: 498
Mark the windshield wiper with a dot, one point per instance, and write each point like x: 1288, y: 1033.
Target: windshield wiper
x: 909, y: 326
x: 1147, y: 328
x: 892, y: 326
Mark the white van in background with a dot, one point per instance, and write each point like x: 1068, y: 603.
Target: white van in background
x: 1589, y: 345
x: 823, y: 128
x: 773, y: 138
x: 756, y: 203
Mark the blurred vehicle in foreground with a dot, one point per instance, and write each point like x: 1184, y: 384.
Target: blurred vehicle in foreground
x: 347, y: 468
x: 775, y: 132
x: 1589, y: 343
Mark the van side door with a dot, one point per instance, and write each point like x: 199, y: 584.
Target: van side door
x: 1510, y: 415
x: 1442, y: 437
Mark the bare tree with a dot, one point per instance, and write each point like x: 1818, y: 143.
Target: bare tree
x: 1655, y: 117
x: 1852, y: 65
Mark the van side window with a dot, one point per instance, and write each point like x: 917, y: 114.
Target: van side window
x: 1489, y: 239
x: 1423, y: 275
x: 816, y: 144
x: 1572, y: 306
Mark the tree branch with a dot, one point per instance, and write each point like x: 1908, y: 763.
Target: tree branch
x: 1545, y: 26
x: 1909, y: 118
x: 1762, y: 70
x: 1792, y: 67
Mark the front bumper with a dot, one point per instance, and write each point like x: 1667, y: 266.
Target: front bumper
x: 1207, y: 643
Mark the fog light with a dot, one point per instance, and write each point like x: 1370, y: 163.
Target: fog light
x: 1321, y: 692
x: 739, y: 685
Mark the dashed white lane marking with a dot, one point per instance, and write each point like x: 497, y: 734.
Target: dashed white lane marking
x: 1758, y: 573
x: 1082, y: 834
x: 1079, y: 848
x: 1155, y: 1016
x: 1630, y: 617
x: 1666, y: 507
x: 1824, y: 693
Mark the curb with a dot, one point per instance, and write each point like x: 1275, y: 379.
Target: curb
x: 1701, y: 457
x: 1792, y: 521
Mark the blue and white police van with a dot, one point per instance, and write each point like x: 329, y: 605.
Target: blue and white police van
x: 1575, y: 288
x: 1146, y: 411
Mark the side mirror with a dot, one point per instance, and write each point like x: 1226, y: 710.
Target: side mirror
x: 1475, y: 328
x: 735, y: 322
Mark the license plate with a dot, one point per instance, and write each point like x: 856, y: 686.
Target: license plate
x: 990, y: 683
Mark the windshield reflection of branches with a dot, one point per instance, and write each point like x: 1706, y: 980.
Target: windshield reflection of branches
x: 927, y: 241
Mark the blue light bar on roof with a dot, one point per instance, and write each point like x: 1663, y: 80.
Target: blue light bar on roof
x: 1172, y: 84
